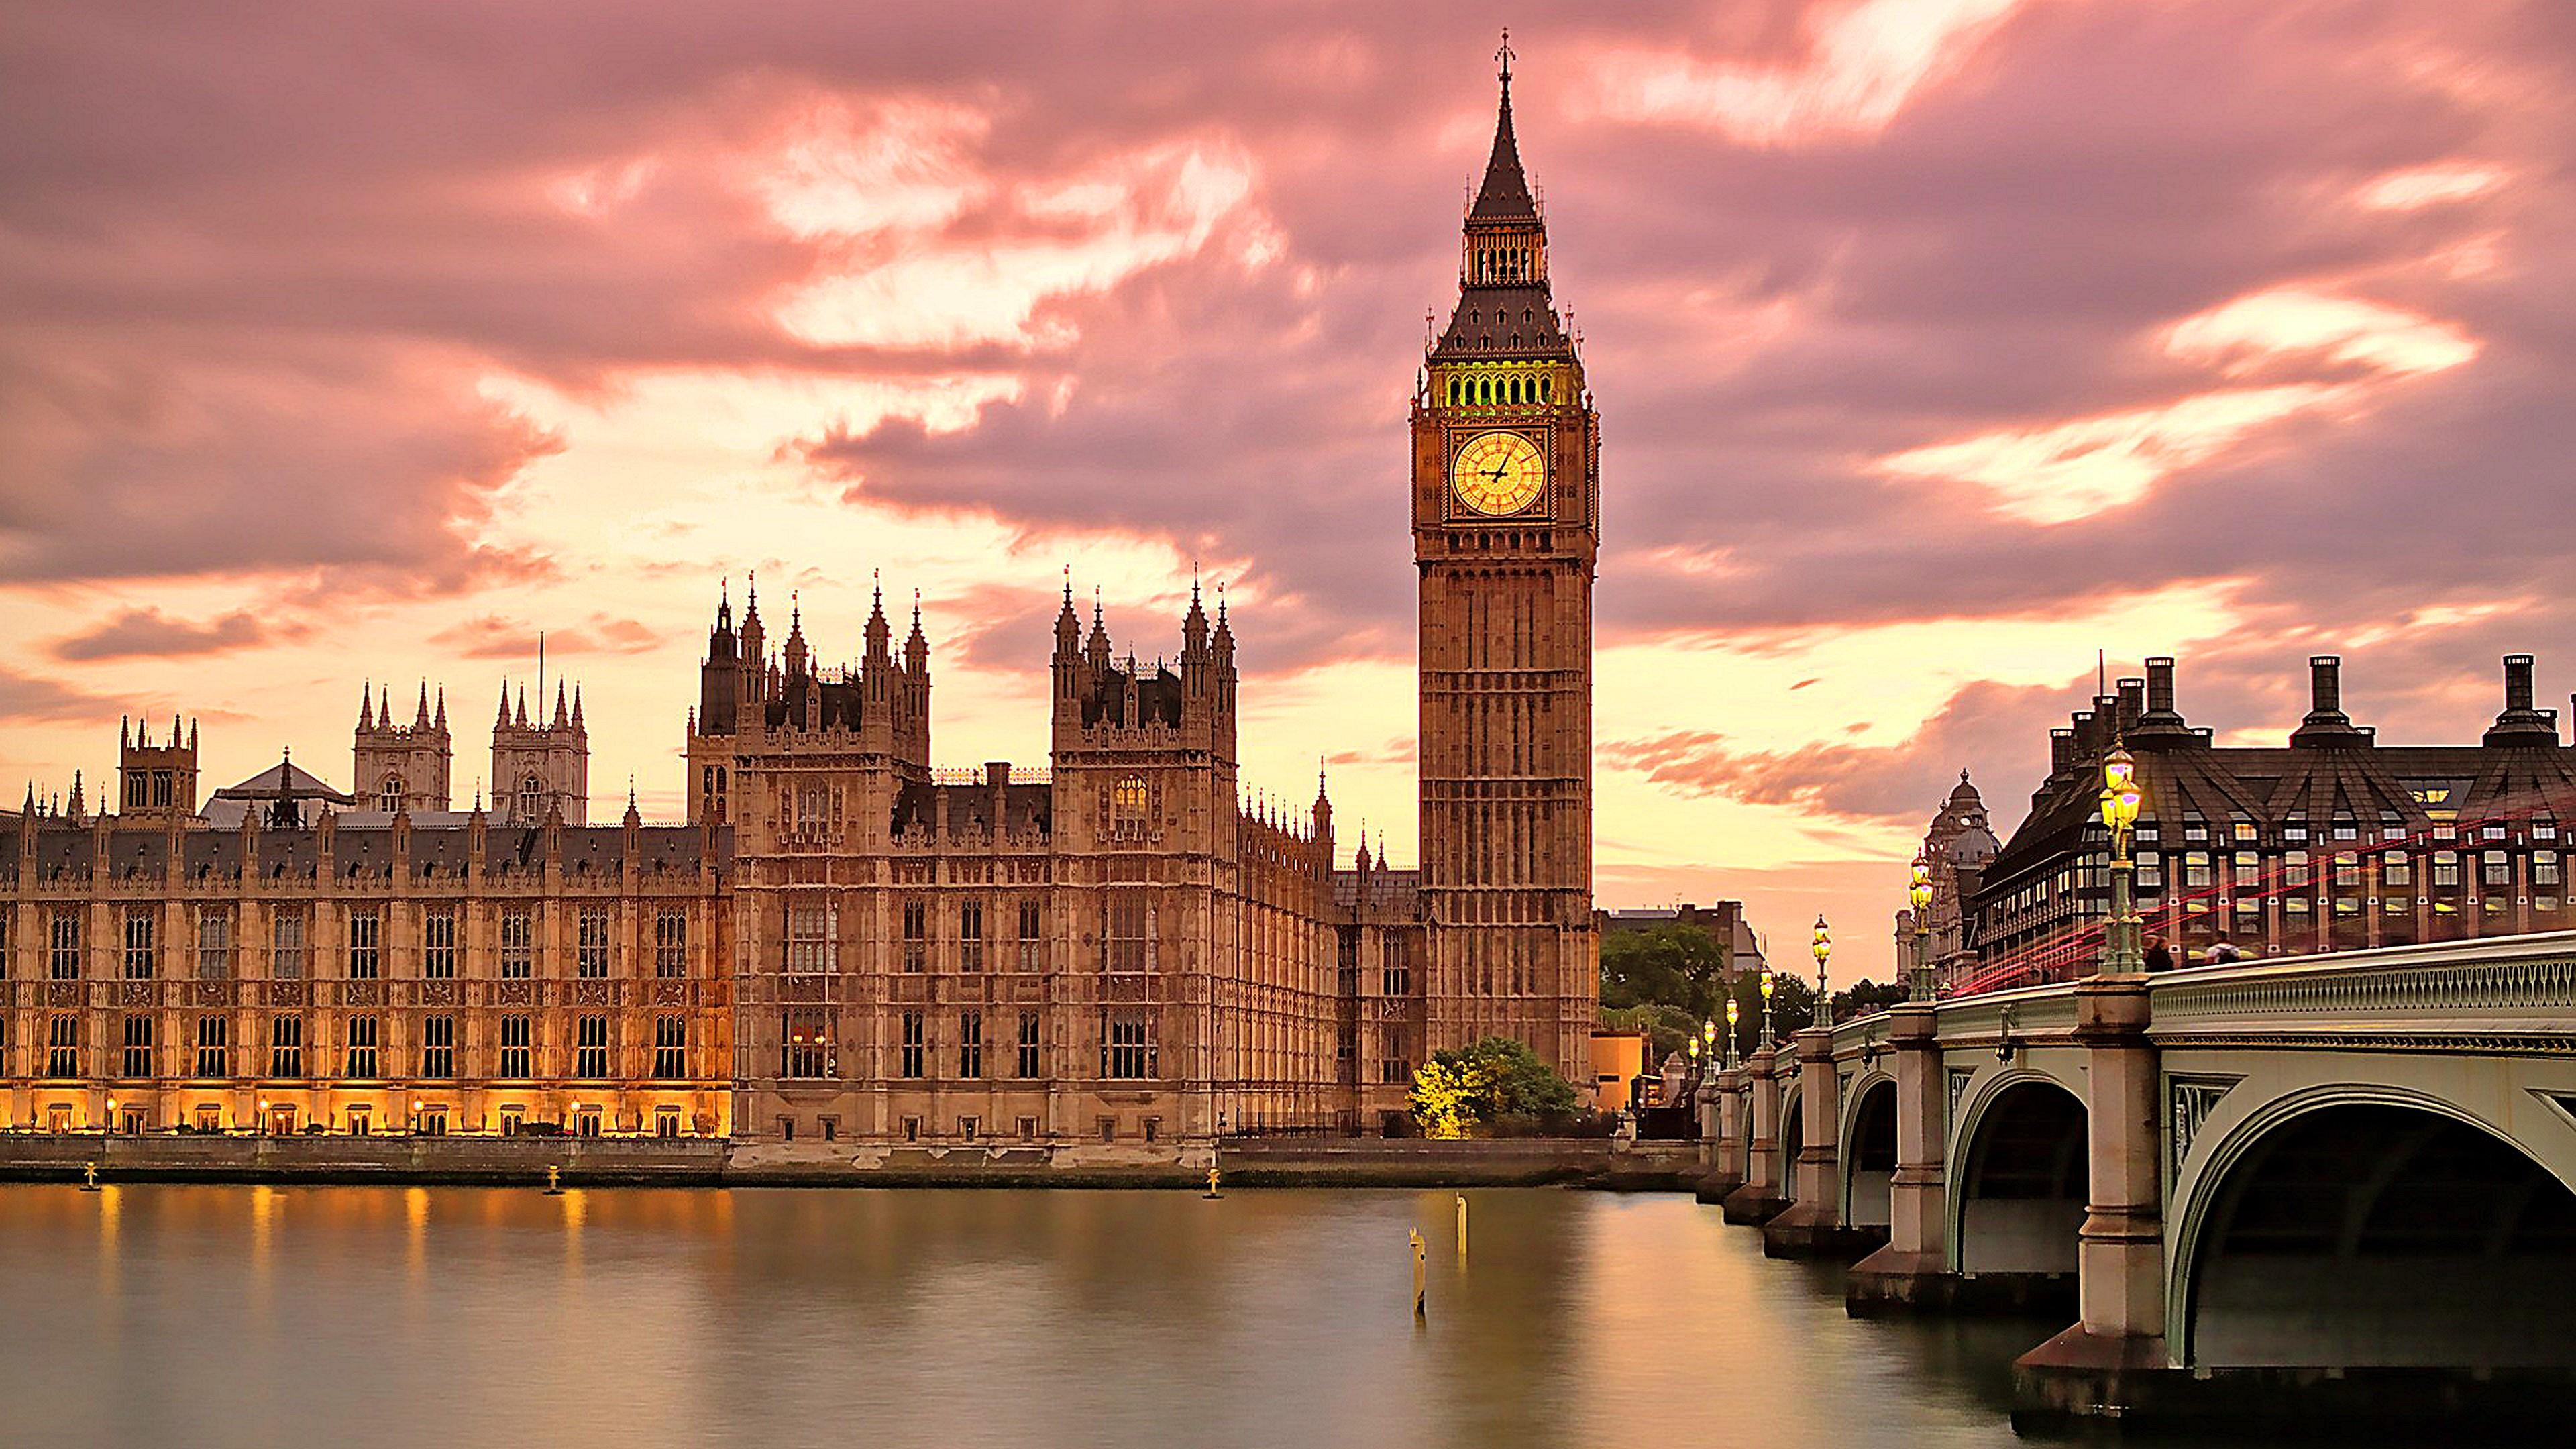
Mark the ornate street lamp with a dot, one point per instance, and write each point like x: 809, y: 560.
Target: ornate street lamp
x: 1730, y: 1024
x: 2122, y: 953
x: 1823, y: 946
x: 1918, y: 893
x: 1766, y: 1003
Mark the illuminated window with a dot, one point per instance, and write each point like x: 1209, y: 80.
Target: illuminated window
x: 2446, y: 868
x: 2244, y: 830
x: 805, y: 1037
x: 2497, y: 869
x: 2395, y: 869
x: 2544, y: 868
x: 1127, y: 802
x: 2294, y: 868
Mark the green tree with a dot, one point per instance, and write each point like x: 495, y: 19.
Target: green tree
x: 1668, y: 1029
x: 1670, y: 965
x: 1458, y: 1092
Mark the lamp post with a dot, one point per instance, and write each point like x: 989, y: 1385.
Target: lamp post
x: 1766, y: 1004
x: 1918, y: 894
x: 1729, y: 1064
x: 1708, y: 1036
x: 1823, y: 946
x: 2122, y: 954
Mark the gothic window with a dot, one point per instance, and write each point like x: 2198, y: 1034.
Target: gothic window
x: 590, y: 1050
x: 518, y: 944
x: 438, y: 944
x: 1028, y: 1063
x: 438, y: 1047
x: 915, y: 1047
x: 286, y: 937
x: 970, y: 936
x: 1127, y: 801
x: 813, y: 937
x: 515, y: 1048
x: 1127, y: 1048
x: 671, y: 1049
x: 286, y: 1046
x: 805, y: 1037
x: 671, y: 944
x: 1396, y: 977
x: 63, y: 945
x: 364, y: 961
x: 138, y: 1044
x: 212, y: 1057
x: 362, y: 1048
x: 62, y: 1046
x: 970, y: 1044
x: 1031, y: 924
x: 214, y: 943
x: 916, y: 935
x: 532, y: 800
x: 389, y: 795
x: 590, y: 944
x: 139, y: 954
x: 1123, y: 943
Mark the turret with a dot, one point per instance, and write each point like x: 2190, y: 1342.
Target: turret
x: 155, y: 782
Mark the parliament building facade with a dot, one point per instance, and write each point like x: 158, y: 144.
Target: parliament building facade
x: 842, y: 942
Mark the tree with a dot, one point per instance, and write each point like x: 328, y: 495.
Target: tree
x: 1459, y: 1091
x: 1670, y: 965
x: 1668, y: 1029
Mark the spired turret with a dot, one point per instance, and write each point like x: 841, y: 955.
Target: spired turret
x: 406, y: 767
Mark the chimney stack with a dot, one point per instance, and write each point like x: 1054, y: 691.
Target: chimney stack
x: 2326, y: 723
x: 2520, y: 723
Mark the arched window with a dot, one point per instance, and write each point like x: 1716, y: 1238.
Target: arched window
x: 1127, y: 803
x: 532, y: 800
x: 1546, y: 390
x: 389, y: 795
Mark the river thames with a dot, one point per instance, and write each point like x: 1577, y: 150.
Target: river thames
x: 643, y: 1318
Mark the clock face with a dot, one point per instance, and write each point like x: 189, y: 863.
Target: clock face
x: 1498, y: 473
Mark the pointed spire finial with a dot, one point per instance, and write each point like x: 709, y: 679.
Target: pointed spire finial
x: 1503, y: 58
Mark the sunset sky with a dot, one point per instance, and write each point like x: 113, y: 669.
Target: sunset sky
x: 1938, y: 343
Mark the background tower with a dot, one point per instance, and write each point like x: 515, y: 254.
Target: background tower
x: 401, y: 766
x: 1506, y: 502
x: 541, y: 767
x: 155, y: 782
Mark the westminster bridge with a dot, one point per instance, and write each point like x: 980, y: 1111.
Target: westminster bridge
x: 2336, y: 1185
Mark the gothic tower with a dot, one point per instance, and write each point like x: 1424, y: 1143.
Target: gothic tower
x: 1506, y: 514
x: 401, y: 766
x: 154, y: 782
x: 541, y: 768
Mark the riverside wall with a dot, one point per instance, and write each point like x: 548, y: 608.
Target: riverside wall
x: 704, y: 1162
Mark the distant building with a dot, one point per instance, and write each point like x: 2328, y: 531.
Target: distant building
x: 1958, y: 846
x: 1723, y: 920
x: 2332, y: 841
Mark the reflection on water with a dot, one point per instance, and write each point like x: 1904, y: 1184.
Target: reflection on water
x: 635, y: 1318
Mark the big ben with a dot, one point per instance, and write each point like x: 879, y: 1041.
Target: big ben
x: 1506, y: 527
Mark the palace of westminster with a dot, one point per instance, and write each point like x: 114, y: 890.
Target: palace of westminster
x: 842, y: 942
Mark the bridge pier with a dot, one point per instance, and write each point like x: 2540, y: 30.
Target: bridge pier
x: 2114, y: 1360
x: 1722, y: 1112
x: 1913, y: 1270
x: 1763, y: 1195
x: 1813, y: 1226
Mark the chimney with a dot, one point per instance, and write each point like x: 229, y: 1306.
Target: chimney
x: 2326, y: 723
x: 2161, y: 720
x: 2061, y: 751
x: 2133, y: 704
x: 2520, y: 723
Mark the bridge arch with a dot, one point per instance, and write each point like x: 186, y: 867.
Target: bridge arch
x: 1793, y: 1129
x: 2354, y: 1226
x: 1867, y: 1153
x: 2018, y: 1166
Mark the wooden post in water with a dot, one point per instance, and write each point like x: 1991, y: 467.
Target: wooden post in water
x: 1419, y: 1268
x: 1462, y: 1230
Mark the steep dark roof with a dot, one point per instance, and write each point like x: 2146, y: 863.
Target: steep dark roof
x: 1505, y: 194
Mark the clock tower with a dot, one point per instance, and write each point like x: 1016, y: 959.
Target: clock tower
x: 1506, y: 520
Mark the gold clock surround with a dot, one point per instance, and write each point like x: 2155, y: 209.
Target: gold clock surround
x: 1498, y: 473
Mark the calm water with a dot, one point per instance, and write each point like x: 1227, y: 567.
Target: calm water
x: 461, y: 1317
